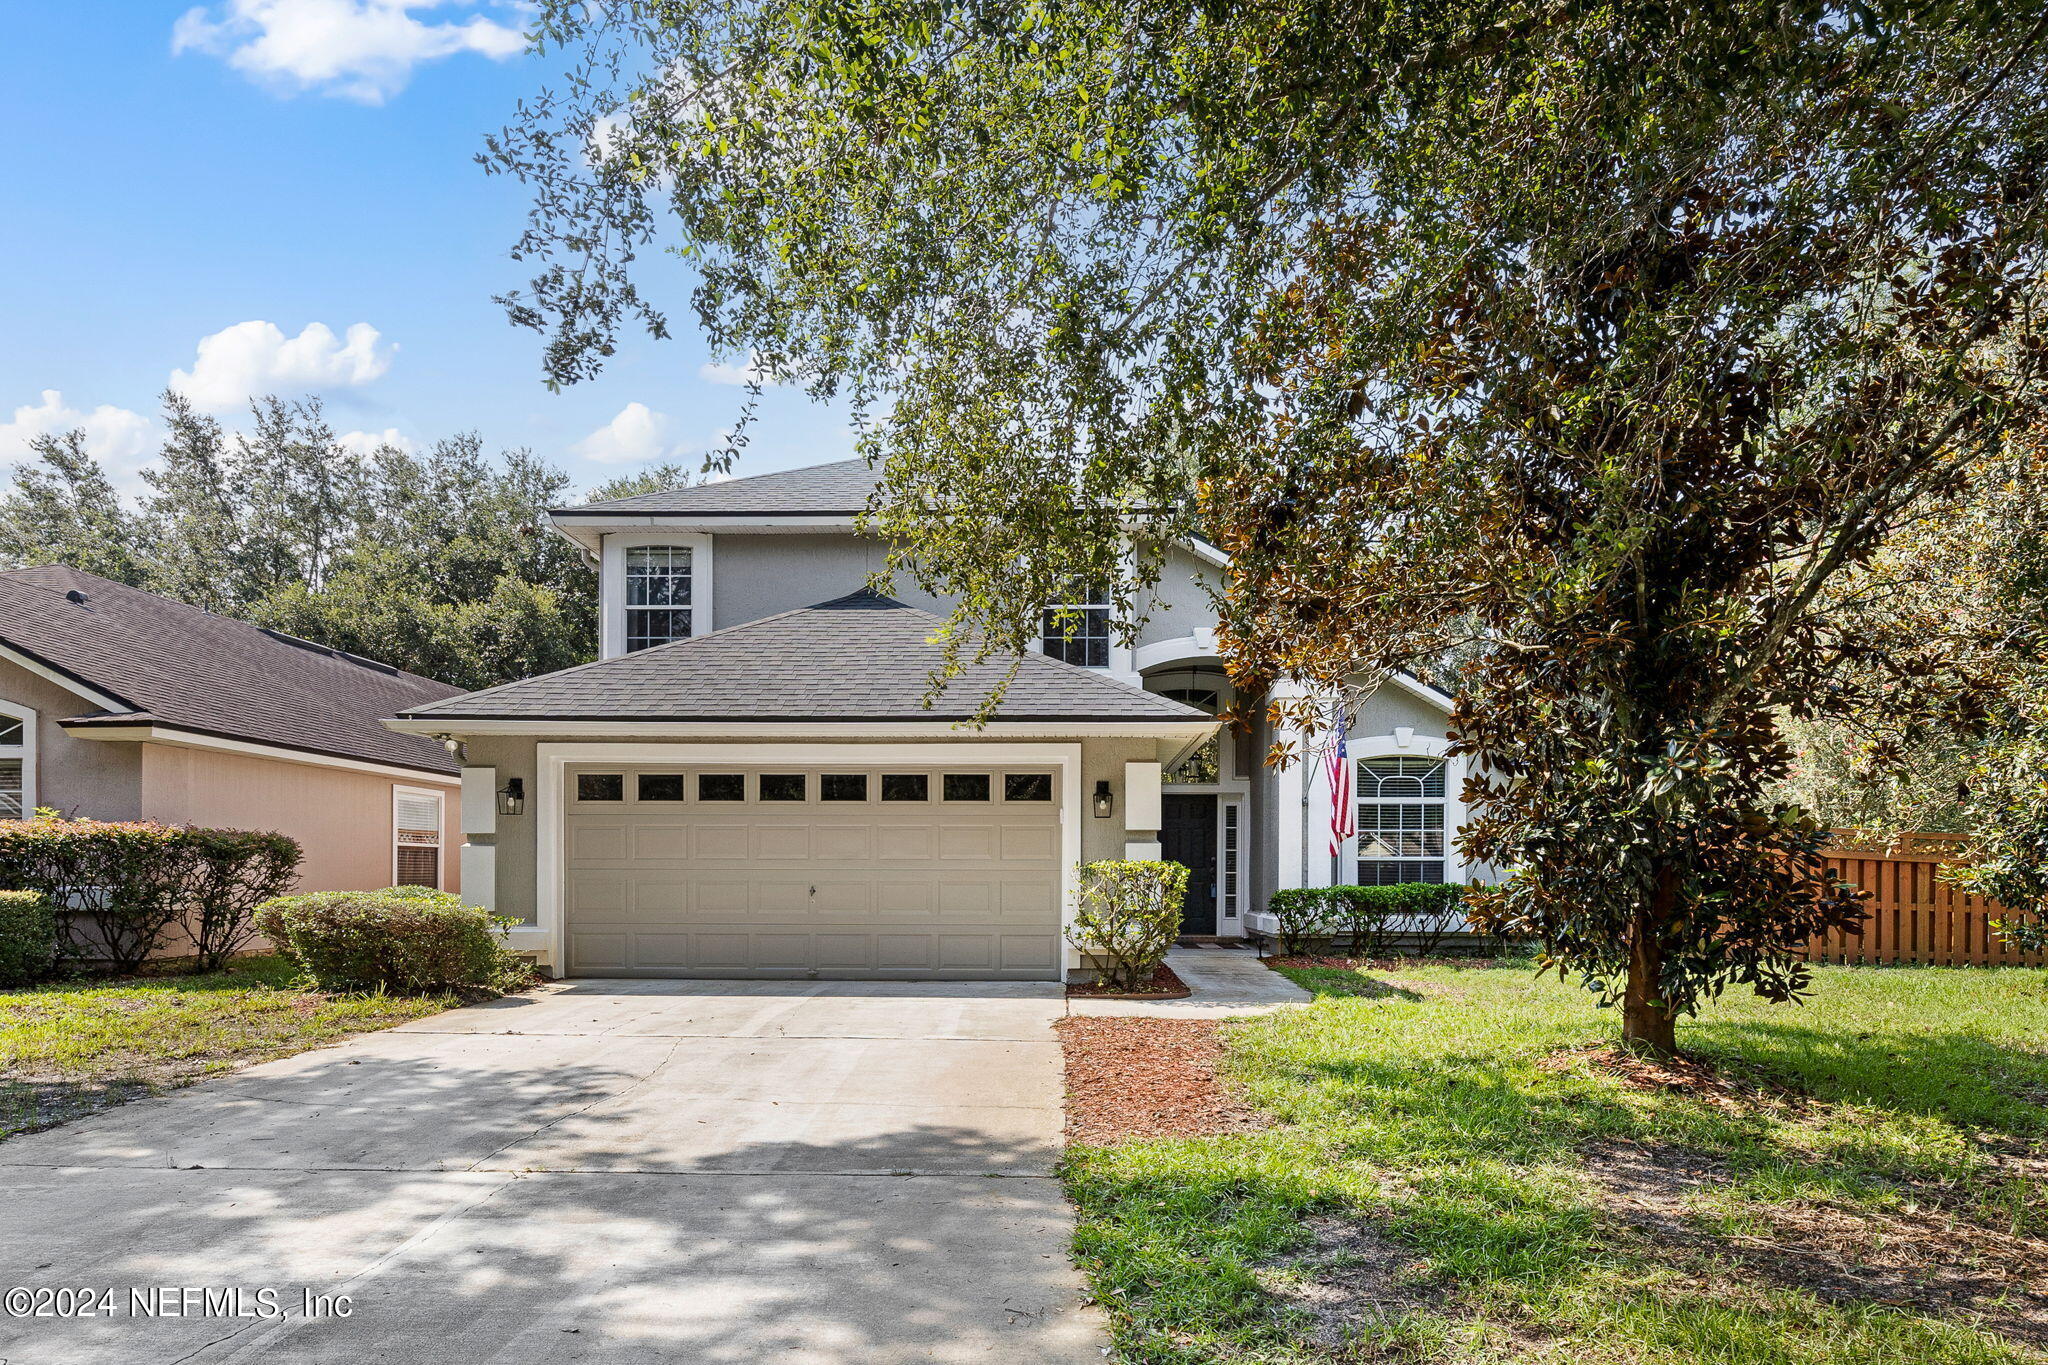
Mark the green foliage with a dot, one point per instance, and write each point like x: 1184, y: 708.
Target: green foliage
x: 1126, y: 915
x: 120, y: 887
x: 1417, y: 915
x: 405, y: 939
x: 438, y: 562
x: 232, y: 872
x: 1306, y: 914
x: 28, y: 937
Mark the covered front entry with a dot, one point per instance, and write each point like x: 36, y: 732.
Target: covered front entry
x: 907, y: 870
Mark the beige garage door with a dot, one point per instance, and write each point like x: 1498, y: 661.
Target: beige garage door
x: 793, y: 871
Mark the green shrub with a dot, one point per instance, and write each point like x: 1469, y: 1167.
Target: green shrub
x: 119, y: 886
x: 1418, y: 915
x: 403, y: 939
x: 28, y: 938
x: 1306, y: 913
x: 1127, y: 913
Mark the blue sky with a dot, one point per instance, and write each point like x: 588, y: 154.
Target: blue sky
x: 192, y: 189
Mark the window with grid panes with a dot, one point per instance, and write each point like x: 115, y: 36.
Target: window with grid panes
x: 1401, y: 821
x: 657, y: 595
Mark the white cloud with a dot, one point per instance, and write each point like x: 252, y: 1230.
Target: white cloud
x: 635, y: 436
x: 369, y: 442
x: 358, y: 49
x: 122, y: 441
x: 718, y: 372
x: 251, y: 358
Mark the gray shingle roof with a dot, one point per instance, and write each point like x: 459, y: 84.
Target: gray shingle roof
x: 173, y: 664
x: 838, y: 489
x: 862, y: 657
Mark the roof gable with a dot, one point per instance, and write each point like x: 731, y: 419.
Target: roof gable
x: 862, y: 657
x: 172, y: 664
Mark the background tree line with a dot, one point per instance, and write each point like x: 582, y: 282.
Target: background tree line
x: 439, y: 561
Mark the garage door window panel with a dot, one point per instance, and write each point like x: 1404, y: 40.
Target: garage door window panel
x: 600, y: 787
x: 1027, y: 787
x: 906, y: 787
x: 721, y: 786
x: 843, y: 786
x: 783, y: 786
x: 661, y: 788
x: 966, y: 786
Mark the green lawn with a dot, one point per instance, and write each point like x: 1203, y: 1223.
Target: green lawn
x: 1453, y: 1182
x: 76, y: 1047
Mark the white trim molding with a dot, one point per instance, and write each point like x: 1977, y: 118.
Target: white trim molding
x: 25, y: 751
x: 611, y: 584
x: 1197, y: 648
x: 551, y: 808
x: 193, y: 739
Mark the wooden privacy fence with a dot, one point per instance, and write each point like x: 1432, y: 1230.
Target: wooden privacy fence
x: 1915, y: 916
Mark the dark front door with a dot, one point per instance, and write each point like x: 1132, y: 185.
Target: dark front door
x: 1187, y: 835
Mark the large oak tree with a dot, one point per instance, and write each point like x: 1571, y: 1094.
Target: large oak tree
x: 1596, y: 340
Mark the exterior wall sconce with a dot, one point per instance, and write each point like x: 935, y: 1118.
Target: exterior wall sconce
x: 512, y: 797
x: 1105, y: 804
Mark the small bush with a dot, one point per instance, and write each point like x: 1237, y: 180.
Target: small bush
x: 402, y: 939
x: 1306, y: 913
x: 233, y: 871
x: 1128, y: 914
x: 28, y: 938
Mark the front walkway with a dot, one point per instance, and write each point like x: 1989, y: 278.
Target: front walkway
x: 679, y: 1171
x: 1226, y: 983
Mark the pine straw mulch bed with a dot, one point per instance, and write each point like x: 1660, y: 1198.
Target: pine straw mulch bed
x: 1926, y: 1253
x: 1129, y: 1079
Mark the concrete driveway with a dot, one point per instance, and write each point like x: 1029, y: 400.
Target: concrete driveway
x: 688, y: 1172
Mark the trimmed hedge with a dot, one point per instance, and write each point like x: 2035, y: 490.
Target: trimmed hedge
x: 1373, y: 918
x: 404, y: 938
x: 120, y: 886
x: 1127, y: 914
x: 28, y: 938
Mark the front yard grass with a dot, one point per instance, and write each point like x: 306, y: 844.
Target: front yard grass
x: 1463, y: 1173
x: 73, y: 1048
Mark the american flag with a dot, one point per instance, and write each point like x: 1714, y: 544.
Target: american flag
x: 1343, y: 804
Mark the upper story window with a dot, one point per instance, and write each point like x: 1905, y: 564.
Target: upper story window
x: 1401, y: 821
x: 1076, y: 631
x: 657, y: 595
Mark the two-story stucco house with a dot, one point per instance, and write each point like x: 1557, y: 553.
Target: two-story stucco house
x: 748, y: 780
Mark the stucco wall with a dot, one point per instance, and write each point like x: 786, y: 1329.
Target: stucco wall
x: 758, y: 575
x: 1179, y: 604
x: 342, y: 819
x: 97, y: 779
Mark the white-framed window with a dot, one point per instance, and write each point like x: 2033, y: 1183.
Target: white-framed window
x: 658, y: 599
x: 1403, y: 833
x: 416, y: 837
x: 17, y: 761
x: 1076, y: 630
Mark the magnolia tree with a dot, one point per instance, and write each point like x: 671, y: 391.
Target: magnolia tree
x: 1596, y: 342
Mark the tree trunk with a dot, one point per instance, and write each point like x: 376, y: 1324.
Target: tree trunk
x: 1647, y: 1027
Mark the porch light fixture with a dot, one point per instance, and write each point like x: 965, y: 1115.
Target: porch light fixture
x: 1105, y: 804
x: 512, y: 797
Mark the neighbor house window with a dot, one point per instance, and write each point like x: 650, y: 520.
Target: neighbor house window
x: 657, y: 595
x: 17, y: 764
x: 1401, y: 821
x: 416, y: 837
x: 1076, y: 631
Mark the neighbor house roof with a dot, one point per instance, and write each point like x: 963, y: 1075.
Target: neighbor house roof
x: 838, y: 489
x: 862, y: 657
x: 168, y: 664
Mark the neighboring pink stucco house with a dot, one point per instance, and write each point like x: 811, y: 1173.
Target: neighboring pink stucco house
x: 118, y: 704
